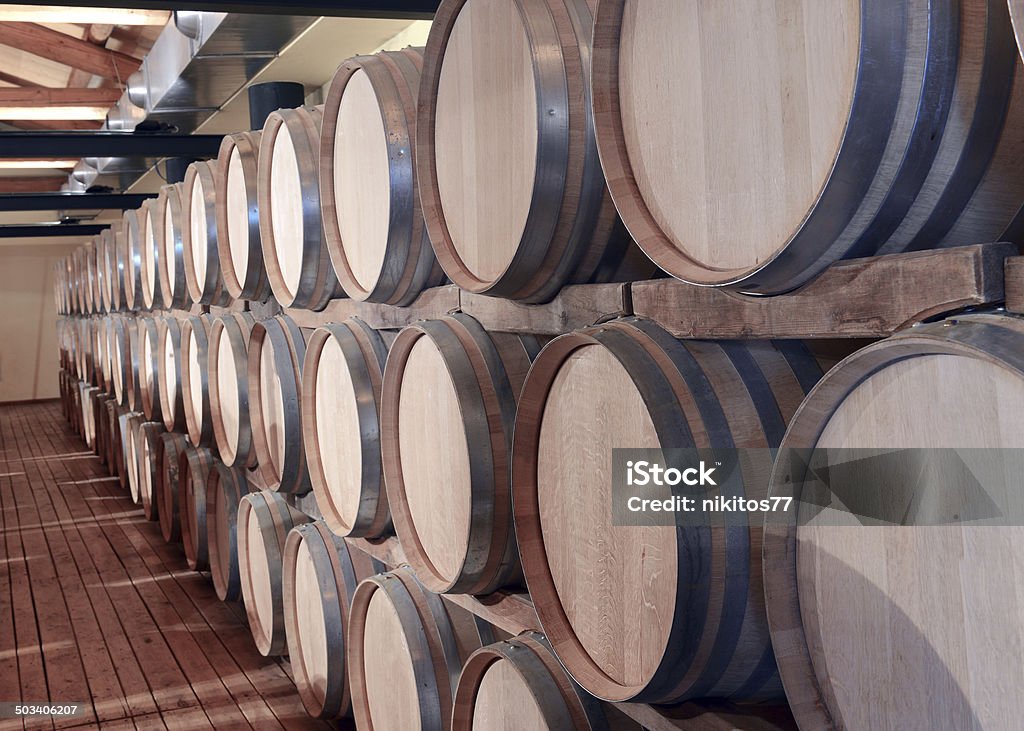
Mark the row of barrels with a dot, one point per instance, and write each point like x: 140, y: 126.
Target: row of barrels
x: 490, y: 456
x: 752, y: 156
x: 362, y: 641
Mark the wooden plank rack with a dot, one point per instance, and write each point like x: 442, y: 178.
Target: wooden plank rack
x: 860, y: 298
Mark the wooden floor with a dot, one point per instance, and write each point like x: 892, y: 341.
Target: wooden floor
x: 95, y: 608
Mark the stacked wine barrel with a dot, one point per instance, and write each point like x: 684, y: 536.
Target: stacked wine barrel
x: 285, y: 438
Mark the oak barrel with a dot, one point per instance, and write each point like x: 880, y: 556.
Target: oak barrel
x: 171, y: 264
x: 405, y: 649
x: 172, y: 406
x: 511, y: 184
x: 129, y: 436
x: 373, y: 225
x: 194, y: 364
x: 521, y: 678
x: 194, y: 467
x: 906, y: 597
x: 276, y: 352
x: 753, y: 149
x: 291, y: 232
x: 228, y: 382
x: 238, y: 222
x: 115, y: 453
x: 149, y: 450
x: 448, y: 407
x: 151, y: 247
x: 149, y: 368
x: 264, y: 519
x: 120, y: 356
x: 200, y: 235
x: 113, y: 278
x: 320, y: 576
x: 649, y: 613
x: 224, y: 491
x: 341, y: 382
x: 169, y: 490
x: 131, y: 258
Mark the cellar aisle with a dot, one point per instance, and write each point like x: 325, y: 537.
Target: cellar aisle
x: 95, y: 608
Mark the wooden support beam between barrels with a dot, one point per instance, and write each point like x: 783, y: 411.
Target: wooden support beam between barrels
x: 860, y: 298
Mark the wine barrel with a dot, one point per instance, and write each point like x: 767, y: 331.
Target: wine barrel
x: 115, y: 454
x: 149, y: 368
x: 194, y: 467
x: 521, y: 678
x: 448, y: 405
x: 547, y: 220
x: 341, y: 382
x: 224, y: 490
x: 149, y: 448
x: 373, y: 225
x: 200, y: 236
x: 194, y: 361
x: 172, y: 406
x: 297, y: 263
x: 264, y: 519
x: 99, y: 416
x: 276, y: 353
x: 696, y: 590
x: 89, y: 265
x: 113, y: 266
x: 133, y: 379
x: 1017, y: 17
x: 228, y: 381
x: 169, y: 490
x: 101, y: 338
x: 909, y: 578
x: 908, y: 120
x: 171, y: 264
x: 88, y: 414
x: 238, y: 222
x: 320, y: 576
x: 404, y: 652
x: 129, y: 436
x: 131, y: 258
x: 151, y: 234
x: 120, y: 357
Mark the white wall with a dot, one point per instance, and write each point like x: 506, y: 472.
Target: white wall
x: 28, y: 321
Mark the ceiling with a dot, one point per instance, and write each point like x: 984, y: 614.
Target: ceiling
x: 85, y: 60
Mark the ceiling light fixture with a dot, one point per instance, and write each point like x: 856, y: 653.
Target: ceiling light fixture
x: 79, y: 14
x: 37, y: 164
x: 54, y: 113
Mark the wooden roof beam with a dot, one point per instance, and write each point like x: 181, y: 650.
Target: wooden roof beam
x: 64, y: 49
x: 42, y: 96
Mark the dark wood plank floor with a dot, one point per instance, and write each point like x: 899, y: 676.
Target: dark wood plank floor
x: 95, y: 608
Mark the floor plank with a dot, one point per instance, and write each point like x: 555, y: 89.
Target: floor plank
x: 96, y: 608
